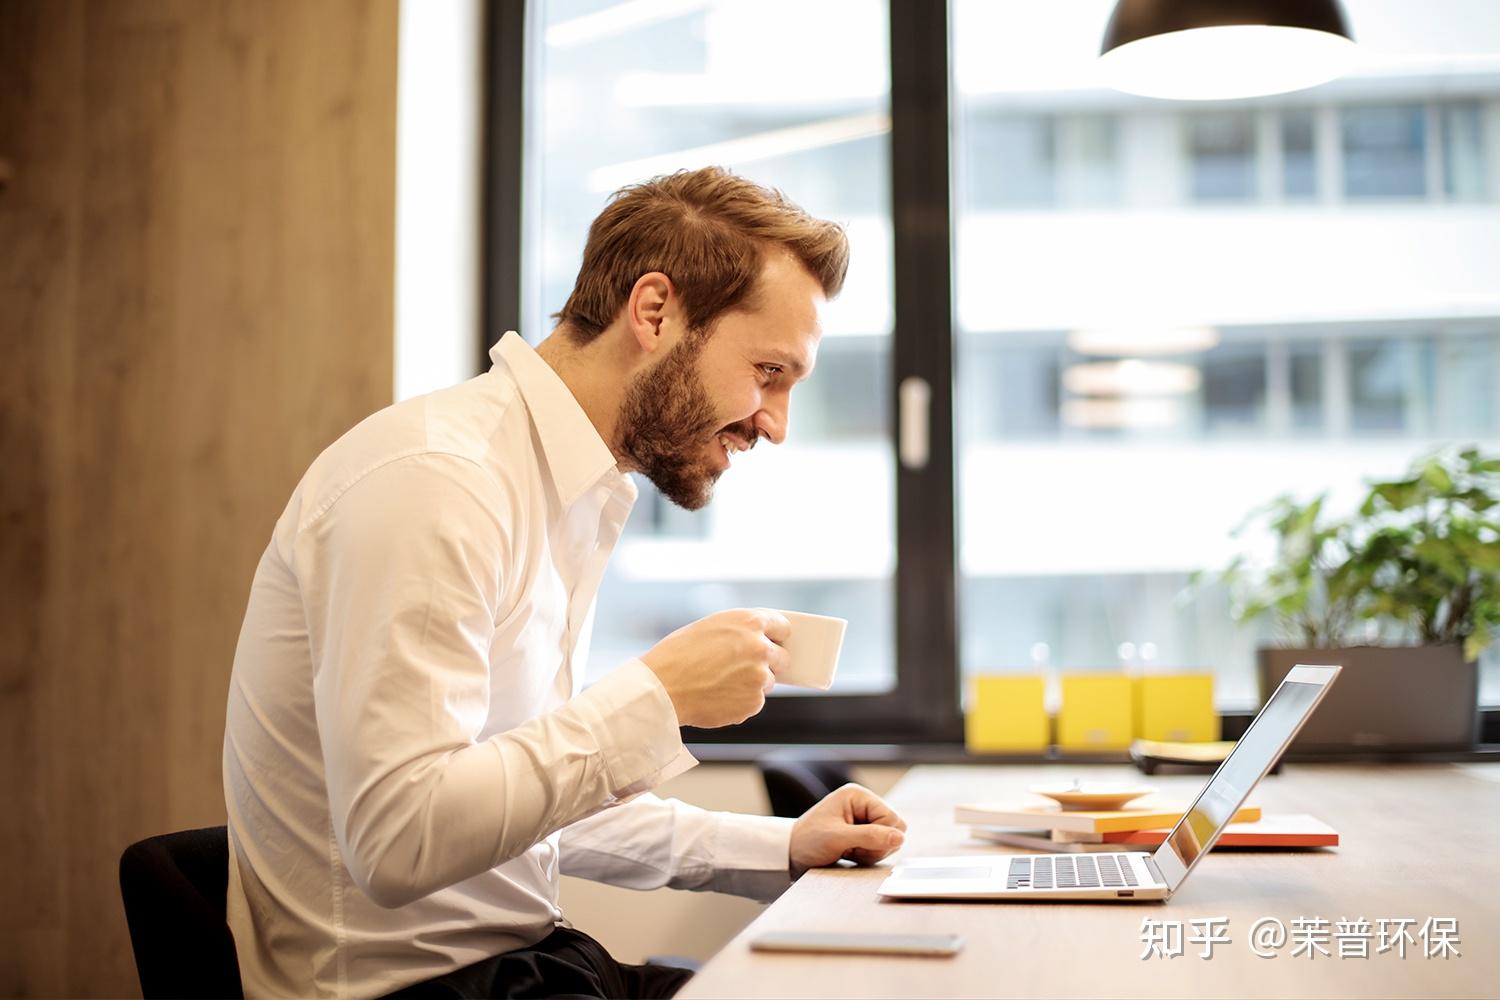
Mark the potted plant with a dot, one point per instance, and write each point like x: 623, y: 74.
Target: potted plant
x: 1404, y: 594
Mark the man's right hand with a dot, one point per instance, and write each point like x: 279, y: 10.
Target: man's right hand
x: 719, y: 669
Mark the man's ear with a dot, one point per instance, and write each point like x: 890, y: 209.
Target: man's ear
x: 647, y: 307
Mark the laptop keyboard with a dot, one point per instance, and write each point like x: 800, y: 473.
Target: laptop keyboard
x: 1070, y: 871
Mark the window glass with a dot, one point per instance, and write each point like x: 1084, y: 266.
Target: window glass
x: 1381, y: 384
x: 1464, y: 161
x: 1132, y: 380
x: 1468, y: 372
x: 1089, y: 161
x: 1234, y: 387
x: 1299, y: 166
x: 1221, y: 155
x: 626, y: 91
x: 1385, y: 151
x: 1306, y: 384
x: 1012, y: 160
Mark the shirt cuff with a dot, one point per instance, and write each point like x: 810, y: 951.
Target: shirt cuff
x: 752, y: 855
x: 637, y: 728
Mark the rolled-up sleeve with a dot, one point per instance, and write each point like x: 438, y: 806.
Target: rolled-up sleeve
x: 403, y: 577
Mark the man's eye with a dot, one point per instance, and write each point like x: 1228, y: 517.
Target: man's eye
x: 770, y: 371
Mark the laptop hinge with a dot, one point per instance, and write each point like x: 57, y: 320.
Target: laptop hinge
x: 1155, y: 871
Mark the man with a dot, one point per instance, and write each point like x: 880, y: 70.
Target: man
x: 409, y: 758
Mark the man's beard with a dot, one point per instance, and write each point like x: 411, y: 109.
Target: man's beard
x: 666, y: 421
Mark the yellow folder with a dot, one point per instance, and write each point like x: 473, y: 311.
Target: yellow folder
x: 1096, y: 712
x: 1007, y: 712
x: 1176, y: 707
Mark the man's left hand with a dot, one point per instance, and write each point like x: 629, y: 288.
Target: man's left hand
x: 851, y: 822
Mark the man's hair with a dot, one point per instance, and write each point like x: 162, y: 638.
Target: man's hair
x: 708, y: 231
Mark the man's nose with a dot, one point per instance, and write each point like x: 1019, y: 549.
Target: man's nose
x: 771, y: 421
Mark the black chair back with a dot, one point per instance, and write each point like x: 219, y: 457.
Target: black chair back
x: 174, y: 888
x: 796, y: 780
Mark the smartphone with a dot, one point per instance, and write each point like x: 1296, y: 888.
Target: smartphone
x: 861, y: 944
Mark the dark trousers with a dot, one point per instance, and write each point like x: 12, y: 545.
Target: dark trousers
x: 566, y: 963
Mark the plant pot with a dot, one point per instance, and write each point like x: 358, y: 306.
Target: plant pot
x: 1386, y: 698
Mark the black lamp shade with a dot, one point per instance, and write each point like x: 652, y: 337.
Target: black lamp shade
x: 1137, y: 19
x: 1224, y: 49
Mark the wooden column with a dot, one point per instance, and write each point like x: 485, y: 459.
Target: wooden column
x: 197, y: 213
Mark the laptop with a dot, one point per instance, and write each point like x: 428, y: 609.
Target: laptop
x: 1130, y: 875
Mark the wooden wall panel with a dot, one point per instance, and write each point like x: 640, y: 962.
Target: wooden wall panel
x: 196, y: 285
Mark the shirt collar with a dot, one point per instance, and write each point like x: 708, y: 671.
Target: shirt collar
x: 576, y: 455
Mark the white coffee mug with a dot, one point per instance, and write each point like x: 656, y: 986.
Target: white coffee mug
x: 812, y: 649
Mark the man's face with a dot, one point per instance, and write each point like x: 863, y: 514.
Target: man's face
x: 717, y: 393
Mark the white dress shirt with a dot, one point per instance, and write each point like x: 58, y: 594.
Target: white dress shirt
x: 410, y: 760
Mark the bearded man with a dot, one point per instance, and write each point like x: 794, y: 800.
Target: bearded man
x: 410, y: 759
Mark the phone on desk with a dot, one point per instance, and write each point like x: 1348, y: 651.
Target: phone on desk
x: 831, y: 942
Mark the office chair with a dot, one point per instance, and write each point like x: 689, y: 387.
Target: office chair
x: 174, y: 887
x: 796, y: 780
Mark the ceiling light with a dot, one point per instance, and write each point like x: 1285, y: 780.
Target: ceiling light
x: 1147, y: 340
x: 1218, y: 49
x: 1131, y: 377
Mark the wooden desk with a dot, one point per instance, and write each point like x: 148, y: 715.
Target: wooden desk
x: 1418, y: 842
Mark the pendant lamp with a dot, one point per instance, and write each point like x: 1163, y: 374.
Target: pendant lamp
x: 1219, y: 49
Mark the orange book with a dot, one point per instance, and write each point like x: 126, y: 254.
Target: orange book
x: 1292, y: 831
x: 1269, y: 831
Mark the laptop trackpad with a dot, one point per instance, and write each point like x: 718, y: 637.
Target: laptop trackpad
x: 947, y: 873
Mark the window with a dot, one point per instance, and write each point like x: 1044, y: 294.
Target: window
x: 622, y: 96
x: 1463, y: 151
x: 1468, y: 369
x: 1299, y: 165
x: 1305, y: 381
x: 1221, y: 149
x: 622, y: 92
x: 1234, y: 388
x: 1131, y: 383
x: 1380, y: 384
x: 1385, y: 151
x: 1149, y: 333
x: 1089, y: 161
x: 1012, y: 160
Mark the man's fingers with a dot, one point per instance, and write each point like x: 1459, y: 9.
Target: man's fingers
x: 864, y: 806
x: 778, y: 659
x: 775, y: 625
x: 871, y: 843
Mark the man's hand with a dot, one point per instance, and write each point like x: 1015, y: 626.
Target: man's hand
x: 719, y: 669
x: 851, y: 822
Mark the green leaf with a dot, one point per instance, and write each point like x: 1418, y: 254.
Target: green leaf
x: 1437, y: 476
x: 1483, y: 556
x: 1400, y: 495
x: 1445, y: 555
x: 1477, y: 641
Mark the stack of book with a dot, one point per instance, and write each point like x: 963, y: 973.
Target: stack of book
x: 1049, y: 828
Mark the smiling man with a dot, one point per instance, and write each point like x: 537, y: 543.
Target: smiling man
x: 410, y: 760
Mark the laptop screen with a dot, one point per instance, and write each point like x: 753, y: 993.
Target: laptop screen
x: 1254, y: 755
